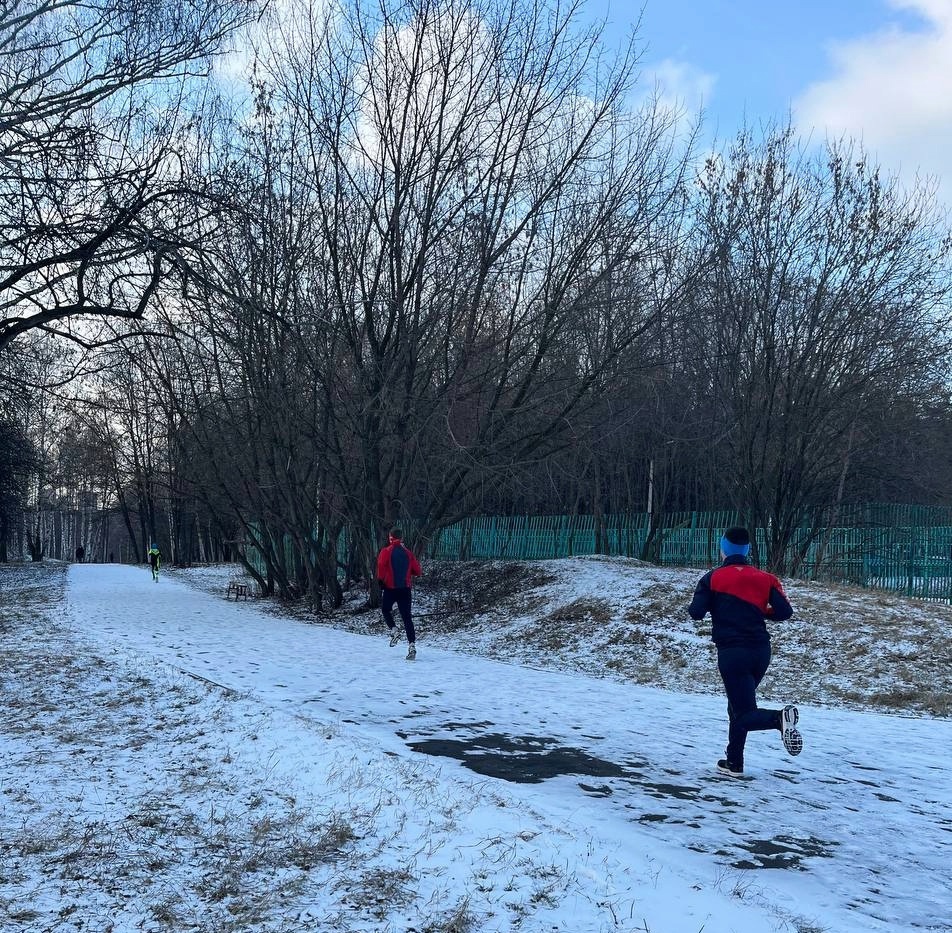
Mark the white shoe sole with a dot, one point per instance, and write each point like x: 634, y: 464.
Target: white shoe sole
x: 792, y: 739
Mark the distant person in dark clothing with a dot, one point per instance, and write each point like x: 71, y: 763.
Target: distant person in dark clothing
x: 80, y: 554
x: 396, y: 568
x: 740, y: 598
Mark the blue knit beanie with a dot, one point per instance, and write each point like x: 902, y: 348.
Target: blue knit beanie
x: 735, y: 541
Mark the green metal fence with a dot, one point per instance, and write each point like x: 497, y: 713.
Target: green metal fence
x: 686, y: 538
x: 902, y: 549
x: 915, y: 560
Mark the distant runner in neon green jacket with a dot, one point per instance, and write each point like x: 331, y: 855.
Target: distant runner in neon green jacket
x: 154, y: 560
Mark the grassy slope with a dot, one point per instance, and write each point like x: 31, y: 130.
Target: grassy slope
x: 622, y: 619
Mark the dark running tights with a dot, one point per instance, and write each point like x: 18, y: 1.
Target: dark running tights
x: 742, y: 668
x: 400, y: 596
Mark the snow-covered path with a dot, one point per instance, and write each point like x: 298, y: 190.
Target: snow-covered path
x: 861, y: 822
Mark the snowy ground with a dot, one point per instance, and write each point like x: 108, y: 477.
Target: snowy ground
x: 173, y: 761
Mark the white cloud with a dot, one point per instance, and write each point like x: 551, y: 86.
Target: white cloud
x: 892, y: 90
x: 682, y: 86
x: 290, y: 19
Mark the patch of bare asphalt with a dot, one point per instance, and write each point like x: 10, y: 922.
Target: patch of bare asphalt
x: 522, y: 759
x: 528, y: 759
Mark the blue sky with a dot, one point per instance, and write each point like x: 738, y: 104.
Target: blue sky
x: 876, y: 70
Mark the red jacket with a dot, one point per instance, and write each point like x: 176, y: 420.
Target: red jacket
x: 739, y: 598
x: 396, y: 566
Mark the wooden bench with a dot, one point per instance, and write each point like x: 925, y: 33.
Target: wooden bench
x: 238, y: 589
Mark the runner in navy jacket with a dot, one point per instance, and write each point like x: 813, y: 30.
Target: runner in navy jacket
x: 396, y: 568
x: 740, y: 598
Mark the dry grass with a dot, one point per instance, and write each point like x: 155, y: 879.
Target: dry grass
x: 377, y: 891
x: 657, y: 601
x: 473, y: 587
x: 195, y: 850
x: 585, y: 611
x: 172, y: 808
x: 563, y: 626
x: 458, y: 920
x: 177, y: 825
x: 845, y: 645
x: 877, y: 650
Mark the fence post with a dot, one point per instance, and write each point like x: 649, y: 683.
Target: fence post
x: 910, y: 567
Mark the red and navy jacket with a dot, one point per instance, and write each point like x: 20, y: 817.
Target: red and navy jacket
x: 396, y: 567
x: 739, y: 598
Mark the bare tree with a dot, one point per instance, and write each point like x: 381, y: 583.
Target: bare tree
x: 827, y: 288
x: 17, y: 464
x: 453, y: 188
x: 93, y: 127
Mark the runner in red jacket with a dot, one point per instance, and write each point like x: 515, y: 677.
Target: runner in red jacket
x: 740, y: 598
x: 396, y: 568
